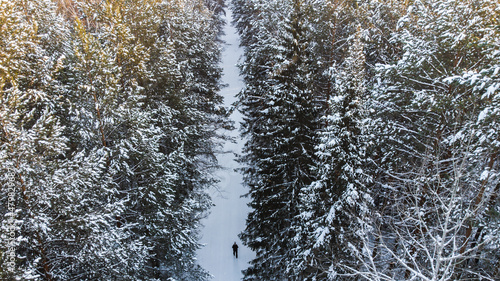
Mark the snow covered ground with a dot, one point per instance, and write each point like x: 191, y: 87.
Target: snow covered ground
x: 227, y: 218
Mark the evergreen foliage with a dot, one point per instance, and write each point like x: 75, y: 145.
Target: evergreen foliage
x: 109, y: 118
x: 404, y: 118
x: 372, y: 137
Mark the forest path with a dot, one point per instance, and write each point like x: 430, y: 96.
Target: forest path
x: 227, y: 218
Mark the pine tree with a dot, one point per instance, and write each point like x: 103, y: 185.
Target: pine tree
x: 100, y: 107
x: 49, y: 186
x: 335, y: 206
x: 482, y: 126
x: 158, y: 116
x: 31, y: 138
x: 281, y: 122
x: 110, y: 121
x: 187, y: 109
x: 422, y: 116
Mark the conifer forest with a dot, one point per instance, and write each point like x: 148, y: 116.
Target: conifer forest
x: 370, y: 138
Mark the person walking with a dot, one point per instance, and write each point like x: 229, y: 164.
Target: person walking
x: 235, y: 250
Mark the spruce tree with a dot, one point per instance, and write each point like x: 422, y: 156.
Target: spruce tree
x: 335, y: 207
x: 162, y: 112
x: 280, y: 123
x: 422, y: 118
x: 32, y: 141
x: 110, y: 124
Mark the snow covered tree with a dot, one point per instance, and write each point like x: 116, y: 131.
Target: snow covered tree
x: 187, y: 109
x: 31, y: 135
x: 483, y: 126
x: 430, y: 71
x: 281, y: 107
x: 110, y: 122
x: 335, y: 207
x: 157, y: 116
x: 425, y: 117
x: 59, y: 214
x: 424, y: 240
x: 415, y: 102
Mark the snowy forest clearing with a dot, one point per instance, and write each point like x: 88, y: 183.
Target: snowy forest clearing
x: 227, y: 218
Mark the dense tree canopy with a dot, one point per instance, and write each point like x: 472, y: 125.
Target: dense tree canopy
x: 371, y: 128
x: 401, y: 177
x: 109, y: 118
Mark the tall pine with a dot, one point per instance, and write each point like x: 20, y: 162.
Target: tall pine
x: 280, y: 107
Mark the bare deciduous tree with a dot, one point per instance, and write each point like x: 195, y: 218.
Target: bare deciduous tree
x: 425, y: 234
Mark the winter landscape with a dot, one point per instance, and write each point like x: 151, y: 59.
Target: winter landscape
x: 254, y: 140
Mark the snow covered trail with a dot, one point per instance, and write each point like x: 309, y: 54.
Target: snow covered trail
x: 227, y: 218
